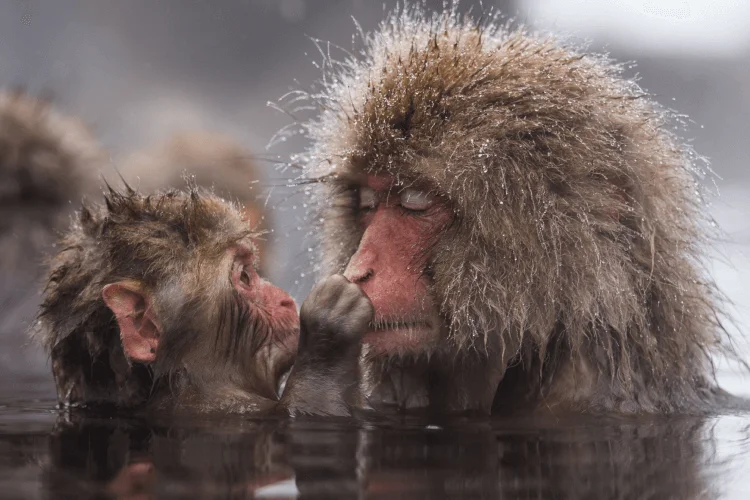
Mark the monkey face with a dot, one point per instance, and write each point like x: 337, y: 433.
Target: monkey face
x: 400, y: 224
x: 273, y: 315
x: 180, y: 277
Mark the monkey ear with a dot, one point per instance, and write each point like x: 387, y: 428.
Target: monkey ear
x: 139, y: 329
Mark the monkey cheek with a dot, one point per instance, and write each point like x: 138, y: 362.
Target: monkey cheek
x: 285, y: 336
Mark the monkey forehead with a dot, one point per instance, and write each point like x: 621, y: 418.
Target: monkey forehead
x: 205, y: 277
x: 178, y: 230
x: 383, y: 180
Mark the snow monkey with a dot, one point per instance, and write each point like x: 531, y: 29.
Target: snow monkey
x: 47, y: 161
x: 210, y: 160
x: 154, y: 303
x: 523, y: 221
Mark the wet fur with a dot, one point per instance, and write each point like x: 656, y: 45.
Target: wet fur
x: 170, y: 243
x: 205, y: 159
x: 579, y: 231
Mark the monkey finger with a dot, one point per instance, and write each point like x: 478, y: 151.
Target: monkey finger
x: 328, y: 290
x: 347, y: 301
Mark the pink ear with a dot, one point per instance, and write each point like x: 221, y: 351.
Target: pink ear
x: 139, y: 331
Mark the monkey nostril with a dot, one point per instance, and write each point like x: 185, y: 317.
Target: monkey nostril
x: 287, y: 303
x: 364, y: 277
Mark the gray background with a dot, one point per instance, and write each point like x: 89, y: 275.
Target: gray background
x: 139, y: 70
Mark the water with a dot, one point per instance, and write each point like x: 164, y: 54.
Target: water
x: 46, y: 453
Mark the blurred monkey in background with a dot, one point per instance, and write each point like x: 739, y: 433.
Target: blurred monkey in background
x: 48, y: 161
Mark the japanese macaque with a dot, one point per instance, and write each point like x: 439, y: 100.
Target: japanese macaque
x: 47, y: 161
x: 154, y: 303
x: 210, y: 160
x: 523, y: 221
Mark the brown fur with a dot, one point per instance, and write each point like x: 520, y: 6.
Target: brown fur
x: 220, y: 346
x: 47, y: 160
x: 209, y: 160
x: 163, y: 242
x: 579, y: 224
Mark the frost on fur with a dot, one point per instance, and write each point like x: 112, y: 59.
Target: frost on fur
x: 579, y: 221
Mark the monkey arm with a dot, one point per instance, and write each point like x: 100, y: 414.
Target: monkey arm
x: 319, y: 386
x: 332, y: 321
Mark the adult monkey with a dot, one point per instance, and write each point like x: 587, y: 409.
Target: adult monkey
x: 527, y: 229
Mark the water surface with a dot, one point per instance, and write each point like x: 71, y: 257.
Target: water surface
x: 49, y: 453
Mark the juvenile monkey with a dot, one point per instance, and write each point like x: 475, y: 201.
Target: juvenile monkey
x: 522, y: 219
x: 153, y: 303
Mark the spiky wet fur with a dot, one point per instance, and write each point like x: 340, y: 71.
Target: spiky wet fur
x: 579, y: 226
x: 162, y: 241
x: 207, y: 159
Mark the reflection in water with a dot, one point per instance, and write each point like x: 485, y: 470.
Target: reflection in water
x: 78, y: 455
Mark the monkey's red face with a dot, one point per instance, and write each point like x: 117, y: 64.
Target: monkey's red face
x: 400, y: 224
x: 271, y: 312
x: 259, y: 293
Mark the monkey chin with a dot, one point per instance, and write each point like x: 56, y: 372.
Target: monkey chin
x: 401, y: 339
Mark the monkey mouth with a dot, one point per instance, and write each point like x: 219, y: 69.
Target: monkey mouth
x: 383, y: 326
x: 412, y: 335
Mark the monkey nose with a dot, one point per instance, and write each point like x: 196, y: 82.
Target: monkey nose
x: 361, y: 266
x: 288, y: 303
x: 358, y: 276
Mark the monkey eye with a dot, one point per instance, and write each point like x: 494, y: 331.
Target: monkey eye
x: 367, y: 198
x: 416, y: 200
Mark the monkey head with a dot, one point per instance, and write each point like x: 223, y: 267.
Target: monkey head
x: 499, y: 193
x: 45, y: 157
x: 210, y: 160
x: 161, y: 291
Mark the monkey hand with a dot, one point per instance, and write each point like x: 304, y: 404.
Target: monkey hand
x: 335, y: 315
x: 333, y: 319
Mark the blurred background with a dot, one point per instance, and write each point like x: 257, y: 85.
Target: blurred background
x: 140, y: 71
